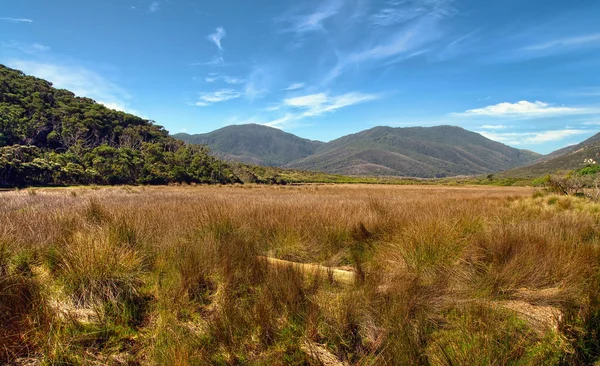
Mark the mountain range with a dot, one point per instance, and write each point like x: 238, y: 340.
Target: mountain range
x: 426, y: 152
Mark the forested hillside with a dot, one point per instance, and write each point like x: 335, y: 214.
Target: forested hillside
x: 51, y: 137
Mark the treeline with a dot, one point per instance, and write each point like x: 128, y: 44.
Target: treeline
x: 51, y: 137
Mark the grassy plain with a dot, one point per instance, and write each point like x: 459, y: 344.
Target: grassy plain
x: 407, y: 275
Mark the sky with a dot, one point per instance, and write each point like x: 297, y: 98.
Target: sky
x: 522, y: 72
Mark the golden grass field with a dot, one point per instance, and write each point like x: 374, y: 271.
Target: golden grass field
x: 382, y: 275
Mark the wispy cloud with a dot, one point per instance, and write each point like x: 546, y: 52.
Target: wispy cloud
x: 227, y: 79
x: 494, y: 127
x: 312, y: 21
x: 295, y: 86
x: 206, y: 99
x: 532, y: 138
x: 402, y: 42
x: 79, y: 80
x: 154, y: 6
x: 217, y: 36
x: 317, y: 104
x: 17, y: 20
x: 401, y: 11
x: 523, y: 109
x: 216, y: 61
x: 279, y: 121
x: 30, y: 48
x: 583, y: 40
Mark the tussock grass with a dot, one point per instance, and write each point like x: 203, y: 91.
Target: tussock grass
x: 178, y: 275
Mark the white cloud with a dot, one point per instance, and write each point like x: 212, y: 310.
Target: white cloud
x: 228, y: 79
x: 79, y: 80
x: 217, y: 37
x: 232, y: 80
x: 222, y: 95
x: 121, y: 107
x: 523, y: 109
x: 154, y: 6
x: 316, y: 104
x: 295, y: 86
x: 567, y: 42
x: 532, y: 138
x: 307, y: 101
x: 17, y: 20
x: 494, y: 127
x: 279, y: 121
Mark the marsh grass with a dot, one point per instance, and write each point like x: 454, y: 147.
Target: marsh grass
x: 177, y: 275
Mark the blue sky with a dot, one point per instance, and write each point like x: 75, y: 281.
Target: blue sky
x: 523, y: 72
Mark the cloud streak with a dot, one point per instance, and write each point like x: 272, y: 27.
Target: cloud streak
x: 295, y: 86
x: 317, y: 104
x: 313, y: 21
x: 223, y: 95
x: 522, y: 109
x: 225, y: 78
x: 593, y: 39
x: 17, y: 20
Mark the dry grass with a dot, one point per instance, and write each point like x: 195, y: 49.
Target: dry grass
x: 386, y: 275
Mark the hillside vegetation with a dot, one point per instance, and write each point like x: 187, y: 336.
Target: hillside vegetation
x: 197, y: 276
x: 381, y: 151
x: 49, y: 136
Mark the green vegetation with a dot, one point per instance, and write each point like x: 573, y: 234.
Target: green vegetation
x: 418, y: 275
x: 50, y: 137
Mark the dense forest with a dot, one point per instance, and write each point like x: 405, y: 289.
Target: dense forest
x: 49, y: 136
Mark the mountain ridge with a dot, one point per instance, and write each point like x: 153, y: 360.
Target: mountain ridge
x: 426, y: 152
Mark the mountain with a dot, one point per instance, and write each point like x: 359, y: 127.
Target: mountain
x: 254, y: 144
x: 49, y: 136
x: 565, y: 159
x: 414, y: 151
